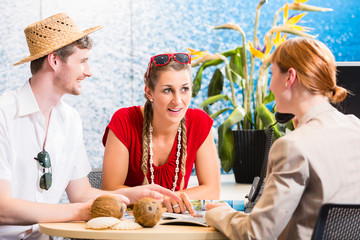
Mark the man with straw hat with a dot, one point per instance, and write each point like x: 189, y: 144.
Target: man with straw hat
x: 41, y: 146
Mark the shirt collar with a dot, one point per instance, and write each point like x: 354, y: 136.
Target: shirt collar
x: 27, y: 102
x: 323, y: 106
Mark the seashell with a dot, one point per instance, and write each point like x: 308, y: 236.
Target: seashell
x: 102, y: 222
x: 126, y: 224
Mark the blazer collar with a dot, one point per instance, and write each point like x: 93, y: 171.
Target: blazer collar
x: 317, y: 109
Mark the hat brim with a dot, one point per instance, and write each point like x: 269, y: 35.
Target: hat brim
x: 57, y: 47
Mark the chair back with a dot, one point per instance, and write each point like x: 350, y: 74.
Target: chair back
x: 338, y: 221
x: 95, y: 178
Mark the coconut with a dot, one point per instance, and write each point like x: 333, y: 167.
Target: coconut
x: 107, y: 206
x: 147, y: 211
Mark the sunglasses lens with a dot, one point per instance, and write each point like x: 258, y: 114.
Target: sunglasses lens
x: 182, y: 58
x: 161, y: 60
x: 44, y: 159
x: 46, y: 181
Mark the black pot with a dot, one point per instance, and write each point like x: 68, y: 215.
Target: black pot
x: 249, y: 154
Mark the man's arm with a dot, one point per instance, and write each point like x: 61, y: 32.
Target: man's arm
x: 15, y: 211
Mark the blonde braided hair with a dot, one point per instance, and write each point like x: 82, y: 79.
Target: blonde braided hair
x: 183, y: 152
x: 148, y: 114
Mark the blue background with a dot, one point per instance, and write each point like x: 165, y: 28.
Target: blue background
x: 135, y: 30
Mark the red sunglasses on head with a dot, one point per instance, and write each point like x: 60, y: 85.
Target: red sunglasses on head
x: 163, y: 59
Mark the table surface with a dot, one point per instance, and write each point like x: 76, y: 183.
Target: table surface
x: 173, y: 232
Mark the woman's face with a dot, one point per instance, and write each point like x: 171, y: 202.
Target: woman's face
x: 278, y: 87
x: 171, y: 96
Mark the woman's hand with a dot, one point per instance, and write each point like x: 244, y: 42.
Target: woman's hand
x: 150, y: 190
x: 180, y: 206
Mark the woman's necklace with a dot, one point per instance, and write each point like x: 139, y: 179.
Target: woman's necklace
x: 177, y: 156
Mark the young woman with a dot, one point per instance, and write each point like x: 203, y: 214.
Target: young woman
x: 317, y: 163
x: 160, y: 142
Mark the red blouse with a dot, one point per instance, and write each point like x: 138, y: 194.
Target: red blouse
x: 127, y: 124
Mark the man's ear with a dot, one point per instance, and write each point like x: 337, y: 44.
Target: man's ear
x: 291, y: 77
x: 53, y: 60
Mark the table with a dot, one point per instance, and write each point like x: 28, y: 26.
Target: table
x: 173, y: 232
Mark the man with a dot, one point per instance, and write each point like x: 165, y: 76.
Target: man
x: 41, y: 146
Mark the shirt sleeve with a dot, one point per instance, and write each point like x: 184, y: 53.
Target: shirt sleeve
x: 120, y: 125
x: 201, y: 125
x: 5, y: 172
x: 285, y: 183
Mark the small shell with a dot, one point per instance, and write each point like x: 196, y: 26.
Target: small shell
x: 126, y: 224
x: 102, y: 222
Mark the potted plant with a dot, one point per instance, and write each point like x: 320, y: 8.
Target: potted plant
x: 246, y: 106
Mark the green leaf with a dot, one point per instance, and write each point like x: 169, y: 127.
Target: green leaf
x: 215, y: 98
x: 212, y: 63
x: 226, y: 146
x: 229, y: 53
x: 215, y: 115
x: 241, y: 83
x: 269, y: 98
x: 216, y: 83
x: 249, y: 118
x: 236, y: 66
x: 268, y: 118
x: 290, y: 125
x: 197, y: 82
x: 198, y: 78
x: 207, y: 110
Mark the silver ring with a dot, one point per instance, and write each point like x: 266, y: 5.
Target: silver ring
x: 175, y: 206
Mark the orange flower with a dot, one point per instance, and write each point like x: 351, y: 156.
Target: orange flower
x: 197, y: 54
x: 300, y: 1
x: 278, y: 39
x: 291, y: 21
x: 262, y: 54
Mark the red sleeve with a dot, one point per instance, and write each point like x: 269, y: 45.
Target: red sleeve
x: 125, y: 124
x: 199, y: 126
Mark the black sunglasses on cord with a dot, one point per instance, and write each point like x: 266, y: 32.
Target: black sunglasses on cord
x: 43, y: 158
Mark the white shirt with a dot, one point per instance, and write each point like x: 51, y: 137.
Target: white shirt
x: 22, y: 134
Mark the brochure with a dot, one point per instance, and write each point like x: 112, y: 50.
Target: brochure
x: 184, y: 219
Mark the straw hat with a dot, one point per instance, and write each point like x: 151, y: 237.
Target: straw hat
x: 51, y: 34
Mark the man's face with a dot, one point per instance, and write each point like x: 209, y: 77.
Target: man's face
x: 72, y: 71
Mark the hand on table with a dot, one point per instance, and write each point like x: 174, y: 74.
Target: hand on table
x: 179, y: 206
x: 150, y: 190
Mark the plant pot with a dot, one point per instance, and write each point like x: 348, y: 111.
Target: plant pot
x: 249, y: 154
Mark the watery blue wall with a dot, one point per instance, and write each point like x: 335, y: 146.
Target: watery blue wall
x: 135, y: 30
